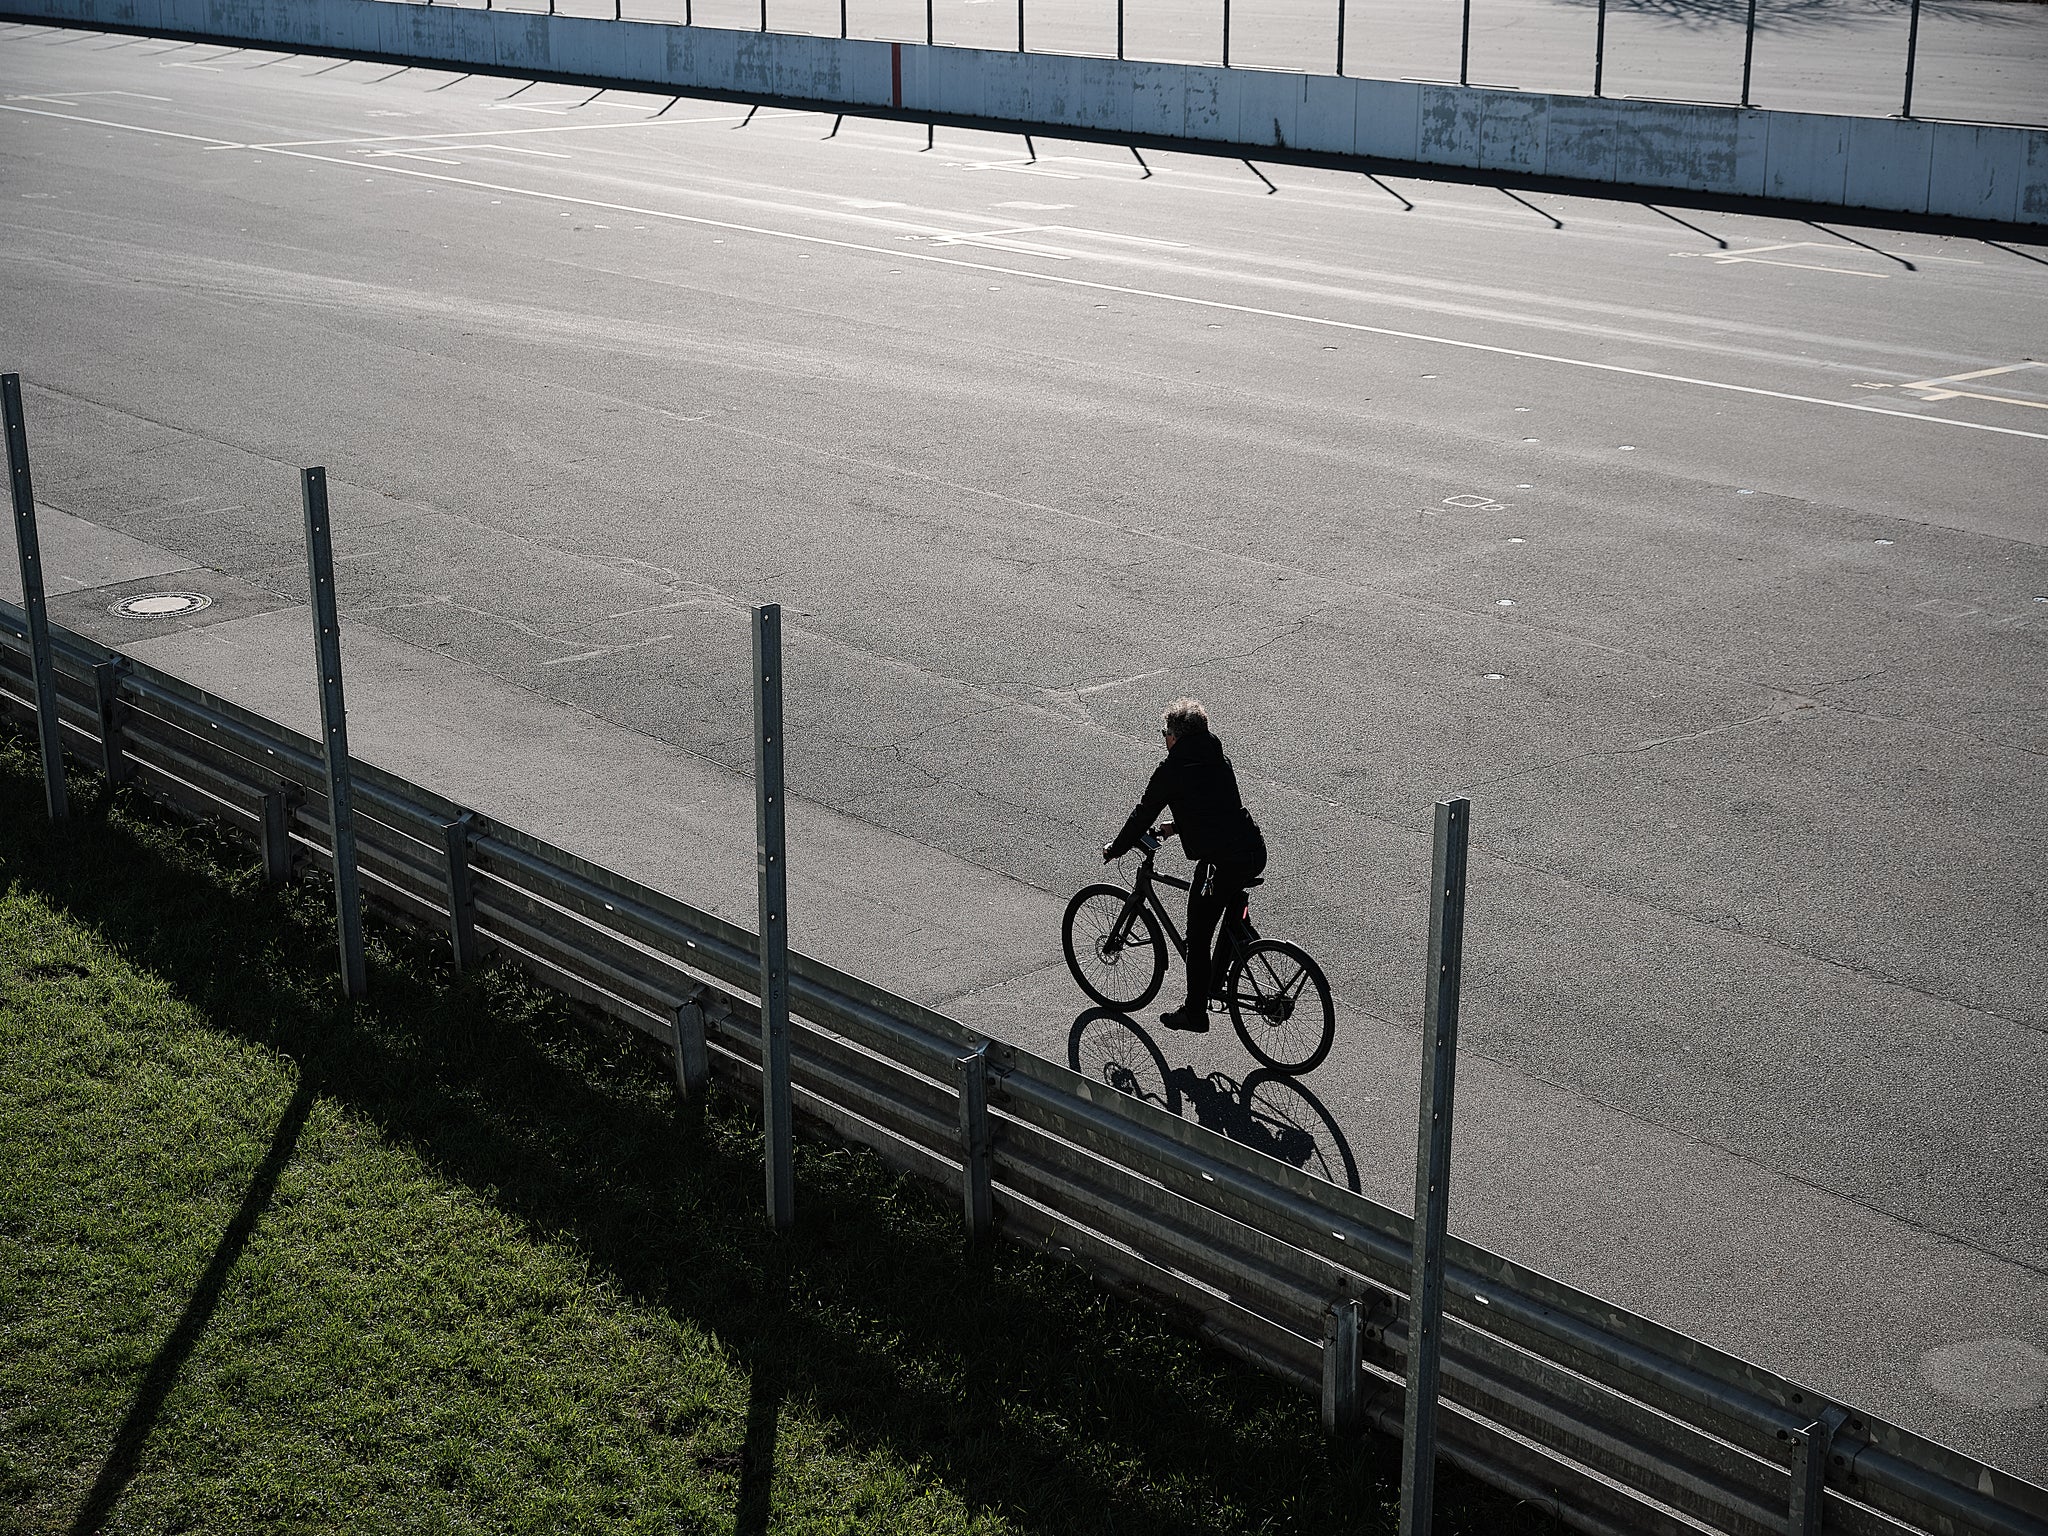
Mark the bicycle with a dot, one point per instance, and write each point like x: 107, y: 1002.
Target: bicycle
x: 1117, y: 951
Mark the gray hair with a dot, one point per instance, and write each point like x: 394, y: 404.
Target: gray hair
x: 1185, y: 718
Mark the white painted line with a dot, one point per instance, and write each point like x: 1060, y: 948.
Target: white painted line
x: 163, y: 133
x: 415, y: 154
x: 495, y: 133
x: 1218, y: 305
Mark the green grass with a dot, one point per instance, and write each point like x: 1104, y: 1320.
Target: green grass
x: 455, y: 1259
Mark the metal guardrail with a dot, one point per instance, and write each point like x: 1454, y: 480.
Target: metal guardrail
x: 1610, y: 1421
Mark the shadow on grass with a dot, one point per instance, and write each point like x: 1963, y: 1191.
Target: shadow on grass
x: 1021, y: 1386
x: 126, y: 1453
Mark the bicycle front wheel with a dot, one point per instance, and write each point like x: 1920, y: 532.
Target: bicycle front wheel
x: 1280, y: 1004
x: 1114, y: 948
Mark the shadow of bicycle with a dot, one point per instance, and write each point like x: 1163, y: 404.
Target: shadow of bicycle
x: 1268, y: 1111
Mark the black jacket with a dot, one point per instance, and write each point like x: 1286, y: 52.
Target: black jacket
x: 1196, y: 781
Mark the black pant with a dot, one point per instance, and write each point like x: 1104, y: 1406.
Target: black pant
x: 1218, y: 888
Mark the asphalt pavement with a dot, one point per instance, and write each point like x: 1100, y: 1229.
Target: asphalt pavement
x: 1702, y: 550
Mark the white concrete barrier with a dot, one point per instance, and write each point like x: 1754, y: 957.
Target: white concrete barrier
x: 1905, y: 166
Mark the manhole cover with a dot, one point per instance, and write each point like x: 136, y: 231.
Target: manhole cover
x: 162, y: 605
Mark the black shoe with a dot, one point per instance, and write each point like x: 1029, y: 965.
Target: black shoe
x: 1186, y: 1017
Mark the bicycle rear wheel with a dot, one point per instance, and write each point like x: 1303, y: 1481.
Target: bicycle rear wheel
x: 1118, y: 957
x: 1280, y: 1004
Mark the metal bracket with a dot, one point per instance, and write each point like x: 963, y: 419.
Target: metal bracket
x: 1810, y: 1448
x: 977, y: 1201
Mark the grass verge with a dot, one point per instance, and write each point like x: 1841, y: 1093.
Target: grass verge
x: 454, y: 1259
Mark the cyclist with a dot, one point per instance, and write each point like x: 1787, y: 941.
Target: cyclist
x: 1197, y: 783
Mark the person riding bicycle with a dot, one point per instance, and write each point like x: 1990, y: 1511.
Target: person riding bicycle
x: 1198, y: 784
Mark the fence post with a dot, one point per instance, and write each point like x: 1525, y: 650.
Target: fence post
x: 1748, y: 49
x: 1343, y: 1365
x: 764, y: 15
x: 929, y: 32
x: 693, y: 1050
x: 341, y: 819
x: 1810, y: 1447
x: 1912, y: 53
x: 1465, y: 42
x: 1119, y: 28
x: 773, y: 883
x: 1433, y: 1163
x: 277, y: 837
x: 1226, y: 34
x: 106, y: 685
x: 1599, y: 46
x: 41, y: 663
x: 455, y: 837
x: 1020, y: 26
x: 1340, y: 38
x: 976, y: 1201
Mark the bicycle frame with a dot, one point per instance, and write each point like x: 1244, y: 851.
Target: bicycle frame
x: 1144, y: 892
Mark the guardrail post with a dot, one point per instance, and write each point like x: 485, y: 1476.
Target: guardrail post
x: 41, y: 663
x: 461, y: 902
x: 1343, y: 1365
x: 693, y: 1048
x: 341, y: 819
x: 1912, y: 52
x: 277, y: 837
x: 1433, y: 1163
x: 1810, y: 1448
x: 977, y: 1203
x: 770, y: 852
x: 1748, y: 50
x: 106, y: 687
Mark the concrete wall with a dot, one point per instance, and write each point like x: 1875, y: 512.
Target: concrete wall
x: 1882, y: 163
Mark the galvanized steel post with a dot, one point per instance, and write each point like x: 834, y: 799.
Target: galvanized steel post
x: 106, y: 686
x: 1433, y: 1163
x: 1343, y: 1365
x: 341, y: 819
x: 770, y: 865
x: 977, y: 1200
x: 1748, y: 50
x: 1599, y: 45
x: 277, y: 837
x: 41, y: 663
x: 1912, y: 53
x: 693, y: 1049
x: 461, y: 902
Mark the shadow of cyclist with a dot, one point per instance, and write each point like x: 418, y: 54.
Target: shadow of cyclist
x: 1268, y: 1112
